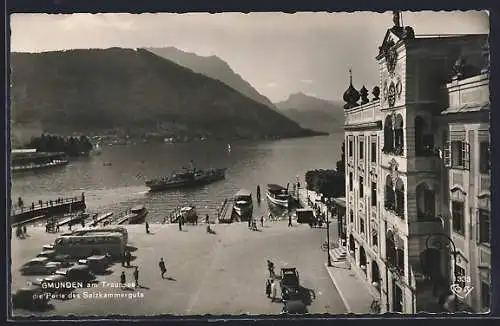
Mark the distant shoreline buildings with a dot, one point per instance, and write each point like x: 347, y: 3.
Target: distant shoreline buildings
x: 418, y: 174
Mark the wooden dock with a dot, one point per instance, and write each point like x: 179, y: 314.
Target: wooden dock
x: 48, y: 209
x: 226, y: 213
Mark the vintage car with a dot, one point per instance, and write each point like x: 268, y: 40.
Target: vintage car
x: 96, y: 263
x: 31, y: 297
x: 289, y: 283
x: 77, y: 273
x: 47, y: 253
x: 40, y: 266
x: 53, y: 284
x: 294, y: 307
x: 49, y: 246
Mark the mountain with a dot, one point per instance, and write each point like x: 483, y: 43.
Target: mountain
x: 213, y: 67
x: 314, y: 113
x: 133, y: 92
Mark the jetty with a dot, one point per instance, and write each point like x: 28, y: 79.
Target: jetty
x: 225, y: 215
x: 48, y: 208
x: 101, y: 218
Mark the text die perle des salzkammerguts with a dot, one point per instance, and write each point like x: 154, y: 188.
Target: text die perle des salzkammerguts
x: 97, y: 290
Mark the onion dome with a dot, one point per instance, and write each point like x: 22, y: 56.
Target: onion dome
x: 376, y: 93
x: 351, y: 95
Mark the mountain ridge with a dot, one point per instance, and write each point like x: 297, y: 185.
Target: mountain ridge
x: 127, y: 91
x: 312, y: 112
x: 213, y: 67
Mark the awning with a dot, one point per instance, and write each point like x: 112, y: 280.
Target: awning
x: 466, y: 108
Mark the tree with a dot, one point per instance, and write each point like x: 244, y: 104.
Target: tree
x: 329, y: 183
x: 341, y: 162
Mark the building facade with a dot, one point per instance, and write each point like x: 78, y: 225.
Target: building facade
x: 417, y: 185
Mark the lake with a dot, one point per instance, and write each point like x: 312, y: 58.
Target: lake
x: 120, y: 185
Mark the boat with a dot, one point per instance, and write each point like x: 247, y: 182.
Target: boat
x: 186, y: 179
x: 278, y: 195
x: 29, y: 160
x: 243, y: 204
x: 136, y: 215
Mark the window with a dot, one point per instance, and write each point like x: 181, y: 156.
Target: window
x: 456, y: 155
x: 457, y: 212
x: 351, y: 216
x: 374, y: 152
x: 361, y: 190
x: 362, y: 226
x: 485, y: 295
x: 350, y: 147
x: 374, y: 194
x: 374, y: 238
x: 350, y: 181
x: 400, y: 198
x: 361, y: 149
x: 484, y: 157
x: 460, y: 276
x: 484, y: 226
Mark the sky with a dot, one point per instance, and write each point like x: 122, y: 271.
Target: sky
x: 277, y: 53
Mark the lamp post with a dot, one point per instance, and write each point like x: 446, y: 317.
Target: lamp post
x: 438, y: 243
x: 328, y: 240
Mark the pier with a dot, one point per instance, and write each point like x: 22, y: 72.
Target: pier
x: 225, y: 215
x: 48, y: 208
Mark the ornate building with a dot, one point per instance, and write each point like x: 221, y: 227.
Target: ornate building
x: 417, y: 173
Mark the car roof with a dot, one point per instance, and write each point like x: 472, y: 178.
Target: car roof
x: 289, y: 269
x: 39, y: 259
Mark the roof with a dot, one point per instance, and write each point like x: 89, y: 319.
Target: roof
x: 466, y: 108
x: 243, y: 192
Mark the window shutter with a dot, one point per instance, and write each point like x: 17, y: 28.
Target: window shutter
x: 466, y: 155
x: 446, y: 154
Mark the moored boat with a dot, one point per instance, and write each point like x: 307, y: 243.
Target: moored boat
x: 278, y: 195
x: 136, y: 215
x: 243, y: 204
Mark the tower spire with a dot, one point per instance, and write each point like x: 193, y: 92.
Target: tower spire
x: 350, y: 76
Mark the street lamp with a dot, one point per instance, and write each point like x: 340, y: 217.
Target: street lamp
x: 438, y: 243
x: 328, y: 240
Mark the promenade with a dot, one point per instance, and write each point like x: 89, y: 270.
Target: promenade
x: 221, y: 273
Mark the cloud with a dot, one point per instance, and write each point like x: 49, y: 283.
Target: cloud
x: 306, y: 81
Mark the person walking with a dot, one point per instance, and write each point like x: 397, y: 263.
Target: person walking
x: 129, y: 258
x: 289, y: 220
x: 180, y: 223
x: 207, y: 219
x: 136, y: 276
x: 163, y: 267
x: 24, y: 230
x: 147, y: 227
x: 123, y: 279
x: 268, y: 288
x: 262, y: 220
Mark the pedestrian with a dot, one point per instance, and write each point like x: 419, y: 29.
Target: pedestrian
x: 262, y: 220
x: 124, y: 258
x: 180, y: 223
x: 163, y: 267
x: 24, y: 229
x: 268, y: 288
x: 136, y: 276
x: 250, y: 222
x: 123, y: 279
x: 289, y: 220
x: 274, y: 291
x: 206, y: 219
x: 147, y: 227
x: 270, y: 216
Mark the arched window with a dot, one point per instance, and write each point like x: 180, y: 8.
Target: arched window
x: 400, y: 198
x: 389, y: 194
x: 426, y: 202
x: 388, y: 135
x: 390, y: 248
x: 398, y: 135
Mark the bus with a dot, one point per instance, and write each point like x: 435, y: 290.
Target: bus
x: 95, y: 243
x: 91, y: 230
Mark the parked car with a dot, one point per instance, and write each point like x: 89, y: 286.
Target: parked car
x: 65, y: 260
x: 96, y: 263
x: 294, y: 307
x: 49, y: 246
x: 31, y: 297
x: 77, y: 273
x: 47, y: 253
x: 40, y: 266
x: 53, y: 284
x: 289, y: 283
